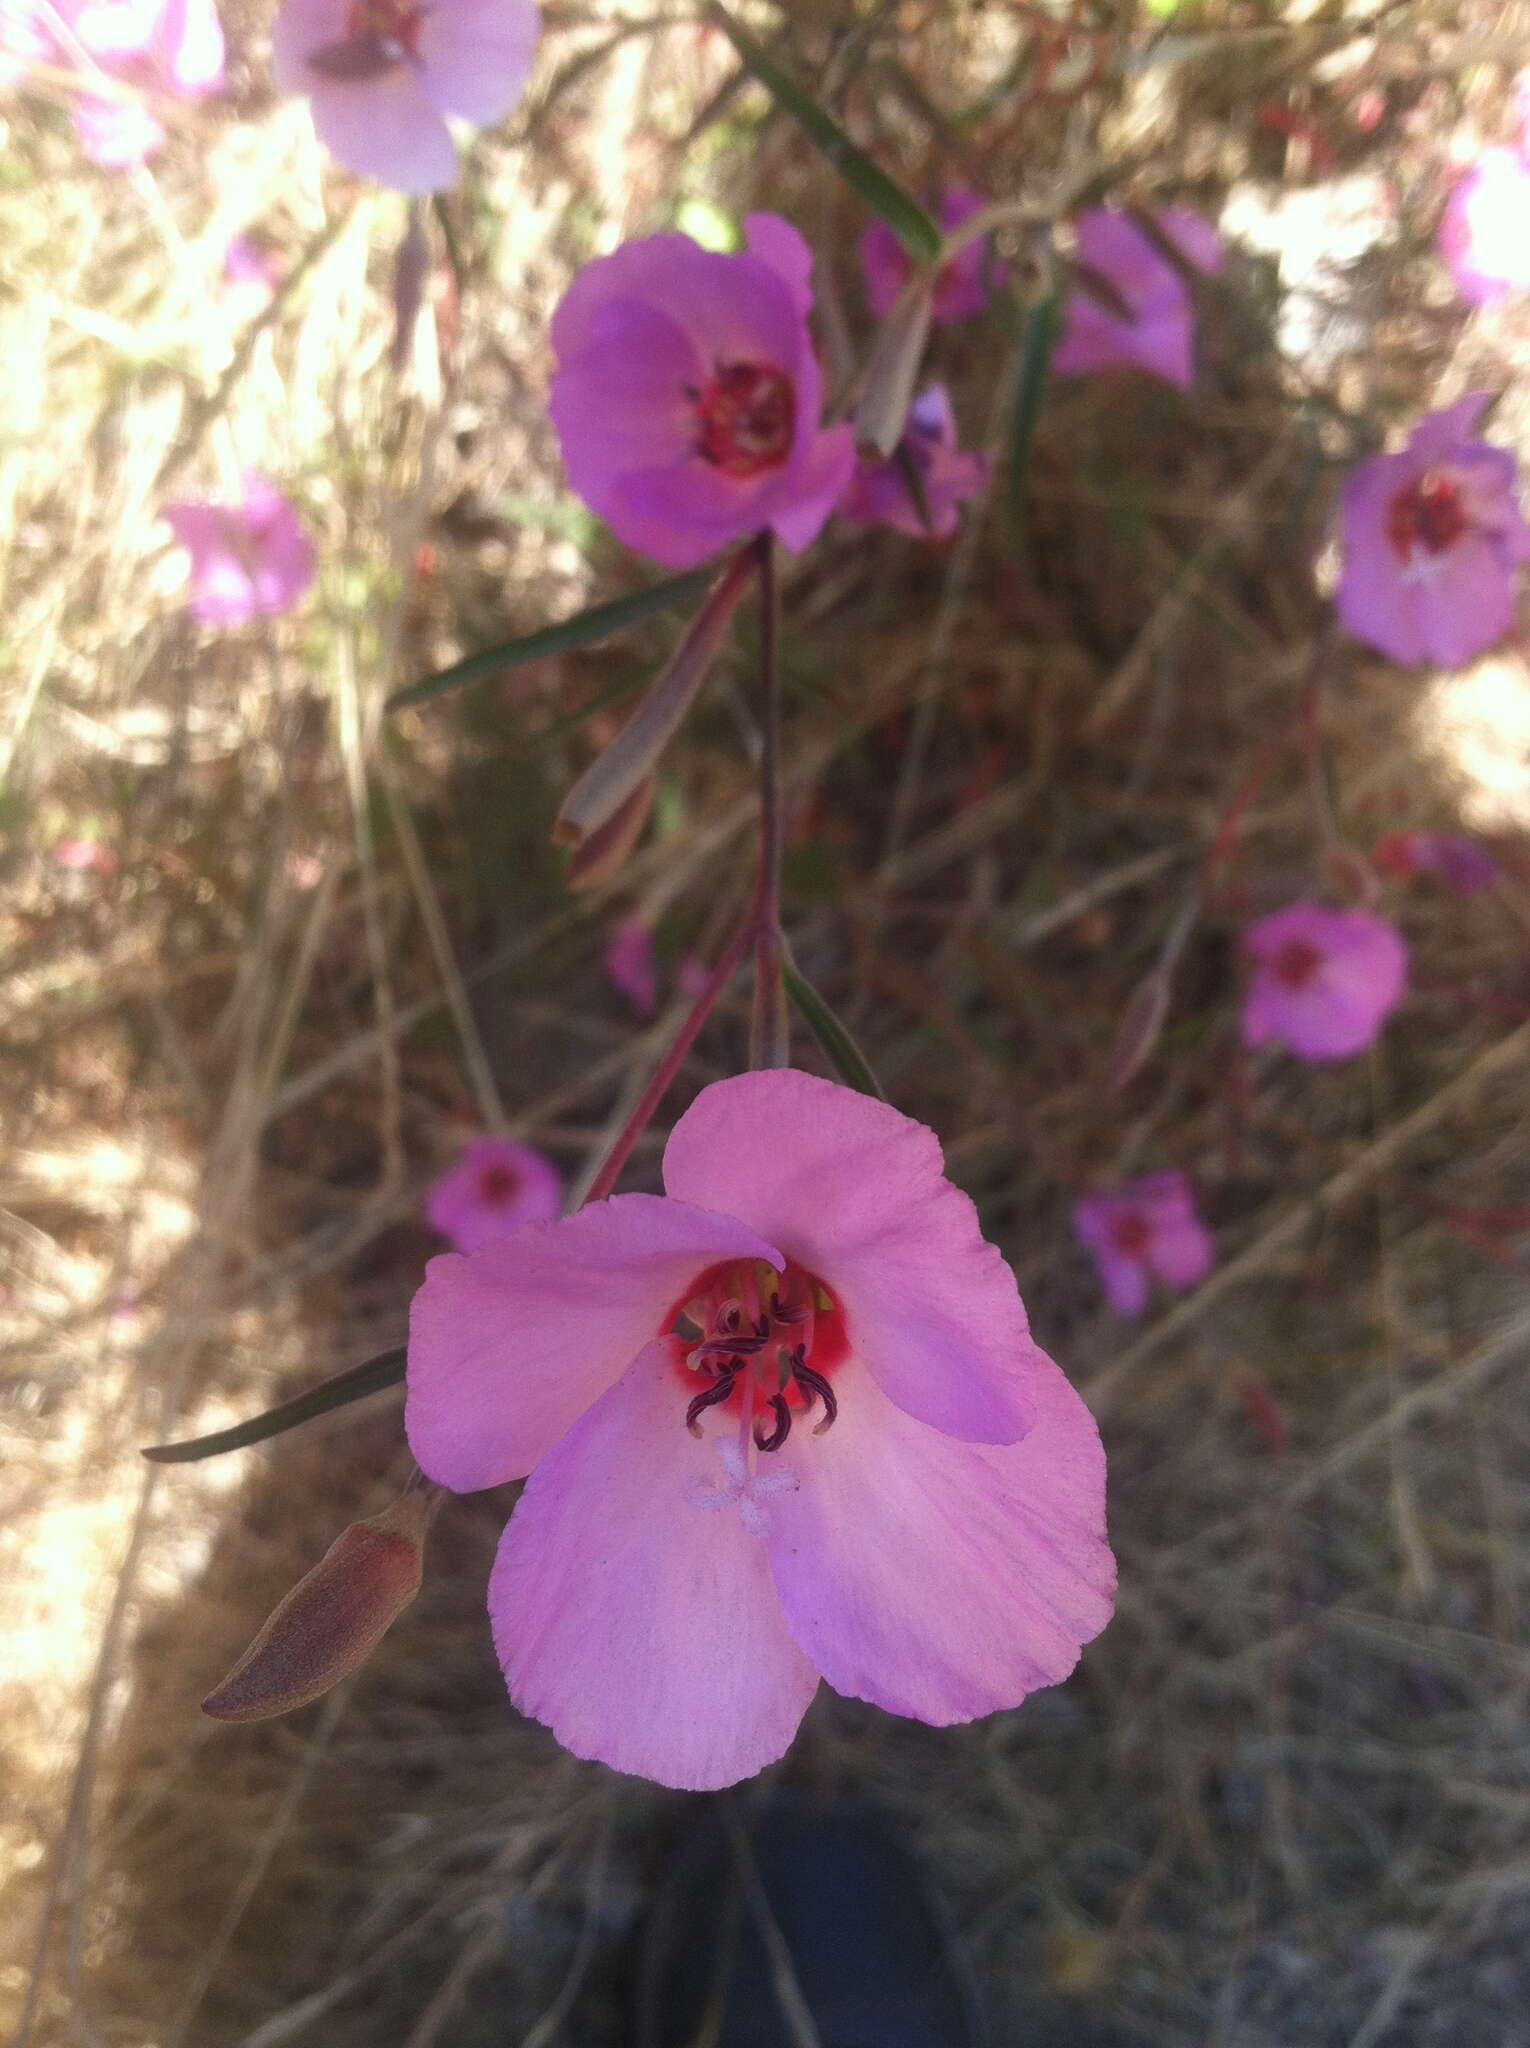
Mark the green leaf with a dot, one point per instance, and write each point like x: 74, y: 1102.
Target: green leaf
x: 908, y: 220
x: 1037, y: 338
x: 385, y: 1370
x: 839, y: 1048
x: 598, y: 623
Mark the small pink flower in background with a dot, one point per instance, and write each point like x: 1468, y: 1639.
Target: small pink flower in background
x: 1160, y: 339
x: 250, y: 268
x: 691, y: 978
x: 786, y: 1422
x: 630, y: 967
x: 963, y: 286
x: 84, y: 857
x: 1482, y: 239
x: 383, y: 75
x: 1432, y: 539
x: 495, y: 1188
x: 878, y: 494
x: 163, y: 49
x: 1461, y: 862
x: 1324, y: 982
x: 1143, y: 1227
x: 687, y: 394
x: 246, y: 560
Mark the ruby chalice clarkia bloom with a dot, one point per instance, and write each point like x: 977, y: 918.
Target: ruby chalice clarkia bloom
x: 1324, y: 980
x: 1433, y: 541
x: 687, y: 394
x: 382, y: 76
x: 784, y: 1423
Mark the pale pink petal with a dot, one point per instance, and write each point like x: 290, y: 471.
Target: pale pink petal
x: 938, y: 1579
x: 476, y: 56
x: 1124, y: 1280
x: 1466, y: 604
x: 385, y: 129
x: 632, y: 1606
x: 300, y: 28
x: 508, y: 1347
x: 1440, y: 434
x: 856, y: 1193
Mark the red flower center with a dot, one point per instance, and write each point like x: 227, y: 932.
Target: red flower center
x: 744, y: 419
x: 1295, y: 966
x: 378, y: 35
x: 1130, y: 1235
x: 498, y: 1186
x: 1427, y: 514
x: 761, y: 1342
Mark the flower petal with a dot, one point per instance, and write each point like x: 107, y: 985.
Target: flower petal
x: 642, y: 1629
x: 938, y: 1579
x: 857, y: 1193
x: 509, y: 1346
x: 385, y: 129
x: 476, y: 55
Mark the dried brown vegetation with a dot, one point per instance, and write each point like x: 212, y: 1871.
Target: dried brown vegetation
x: 1284, y: 1799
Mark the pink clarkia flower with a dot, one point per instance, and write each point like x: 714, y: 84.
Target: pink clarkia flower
x: 250, y: 268
x: 1324, y: 980
x: 162, y: 49
x: 629, y: 964
x: 1461, y: 862
x: 784, y: 1423
x: 962, y: 287
x: 1482, y: 238
x: 383, y: 75
x: 878, y: 493
x: 1160, y: 339
x: 687, y: 394
x: 246, y: 560
x: 1144, y: 1227
x: 1432, y: 537
x: 496, y: 1187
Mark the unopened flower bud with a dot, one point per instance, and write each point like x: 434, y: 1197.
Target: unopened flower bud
x: 334, y: 1618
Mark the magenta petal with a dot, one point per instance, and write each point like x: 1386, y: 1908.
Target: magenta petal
x: 856, y: 1192
x: 815, y: 487
x: 1124, y: 1280
x: 508, y: 1347
x: 1182, y: 1252
x: 944, y: 1580
x: 1467, y: 605
x: 776, y: 242
x: 633, y: 1608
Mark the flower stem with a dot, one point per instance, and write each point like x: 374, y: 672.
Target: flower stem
x: 648, y: 1102
x: 769, y: 1027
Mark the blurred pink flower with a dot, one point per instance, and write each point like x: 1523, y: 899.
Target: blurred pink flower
x: 1432, y: 538
x: 629, y: 964
x: 963, y: 286
x: 1461, y: 862
x: 878, y: 493
x: 1482, y: 238
x: 161, y: 49
x: 495, y: 1188
x: 786, y: 1422
x: 383, y: 75
x: 1324, y: 980
x: 250, y: 267
x: 84, y: 856
x: 1143, y: 1227
x: 1160, y: 339
x: 246, y: 560
x: 687, y: 394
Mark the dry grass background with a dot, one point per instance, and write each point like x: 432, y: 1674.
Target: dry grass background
x: 1285, y: 1799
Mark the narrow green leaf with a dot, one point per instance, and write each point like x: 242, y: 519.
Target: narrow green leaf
x: 1037, y: 337
x: 598, y: 623
x: 908, y: 220
x: 839, y: 1048
x: 386, y: 1370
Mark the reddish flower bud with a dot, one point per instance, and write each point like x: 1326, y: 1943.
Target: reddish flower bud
x: 334, y: 1618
